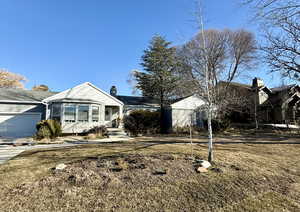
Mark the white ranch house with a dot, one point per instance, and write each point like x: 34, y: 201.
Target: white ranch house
x: 80, y: 108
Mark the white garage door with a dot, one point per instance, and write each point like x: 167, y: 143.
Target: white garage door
x: 18, y: 125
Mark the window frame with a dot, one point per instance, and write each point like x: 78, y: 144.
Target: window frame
x: 92, y: 113
x: 75, y: 113
x: 88, y: 113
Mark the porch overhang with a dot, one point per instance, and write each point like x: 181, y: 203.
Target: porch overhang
x: 72, y: 100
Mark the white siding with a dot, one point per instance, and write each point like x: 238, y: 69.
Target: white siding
x: 86, y: 91
x: 186, y: 112
x: 189, y: 103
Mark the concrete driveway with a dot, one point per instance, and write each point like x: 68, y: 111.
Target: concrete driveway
x: 7, y: 152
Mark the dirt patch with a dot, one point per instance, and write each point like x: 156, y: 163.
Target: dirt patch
x: 148, y: 182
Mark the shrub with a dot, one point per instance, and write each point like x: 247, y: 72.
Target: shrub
x: 185, y: 130
x: 218, y: 125
x: 142, y: 122
x: 48, y: 129
x: 43, y: 132
x: 99, y: 131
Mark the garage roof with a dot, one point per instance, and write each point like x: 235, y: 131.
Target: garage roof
x: 20, y: 95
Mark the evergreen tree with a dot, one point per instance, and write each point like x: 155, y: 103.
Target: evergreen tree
x: 158, y: 80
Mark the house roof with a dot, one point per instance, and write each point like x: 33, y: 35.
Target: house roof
x: 236, y: 84
x: 20, y: 95
x: 137, y: 100
x: 282, y: 88
x: 85, y: 92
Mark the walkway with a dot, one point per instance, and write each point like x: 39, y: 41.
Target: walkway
x: 7, y: 152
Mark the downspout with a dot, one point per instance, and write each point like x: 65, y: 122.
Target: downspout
x: 47, y: 114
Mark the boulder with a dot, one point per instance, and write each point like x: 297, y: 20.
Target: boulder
x: 204, y: 163
x: 160, y: 172
x: 60, y: 166
x: 201, y: 169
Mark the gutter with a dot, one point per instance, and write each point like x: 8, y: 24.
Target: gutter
x: 25, y: 102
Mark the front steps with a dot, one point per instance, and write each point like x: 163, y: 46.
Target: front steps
x: 117, y: 133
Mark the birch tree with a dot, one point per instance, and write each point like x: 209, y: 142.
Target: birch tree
x: 215, y: 56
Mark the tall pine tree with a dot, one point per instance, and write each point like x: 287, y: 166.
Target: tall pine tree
x: 158, y: 80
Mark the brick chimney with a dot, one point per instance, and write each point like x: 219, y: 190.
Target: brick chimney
x: 257, y: 83
x: 113, y: 90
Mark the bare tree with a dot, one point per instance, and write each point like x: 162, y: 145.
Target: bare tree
x: 226, y: 56
x: 212, y: 57
x: 11, y: 80
x: 280, y: 23
x: 40, y: 88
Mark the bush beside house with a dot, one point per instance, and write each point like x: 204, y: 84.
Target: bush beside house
x: 218, y: 125
x: 48, y: 129
x: 142, y: 122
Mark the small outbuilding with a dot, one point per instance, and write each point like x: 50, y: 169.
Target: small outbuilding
x: 188, y: 111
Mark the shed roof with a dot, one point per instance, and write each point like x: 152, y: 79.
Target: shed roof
x: 20, y: 95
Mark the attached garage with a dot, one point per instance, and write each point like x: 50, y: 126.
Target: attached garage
x: 18, y: 125
x: 20, y: 110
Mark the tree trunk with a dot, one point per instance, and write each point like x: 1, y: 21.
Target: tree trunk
x: 161, y: 121
x: 255, y: 109
x: 210, y: 135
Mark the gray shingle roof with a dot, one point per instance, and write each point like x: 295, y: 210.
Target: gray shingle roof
x: 137, y: 100
x: 10, y: 94
x: 282, y: 88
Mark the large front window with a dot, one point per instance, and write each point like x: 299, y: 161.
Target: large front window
x: 95, y: 113
x: 83, y: 113
x: 70, y: 113
x: 77, y: 112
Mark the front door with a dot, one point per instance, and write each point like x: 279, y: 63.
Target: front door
x: 108, y: 116
x: 111, y: 116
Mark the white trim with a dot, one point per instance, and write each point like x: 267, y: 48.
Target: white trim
x: 52, y: 98
x: 25, y: 102
x: 20, y: 113
x: 112, y: 97
x: 83, y: 101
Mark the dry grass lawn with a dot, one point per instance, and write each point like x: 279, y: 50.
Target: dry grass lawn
x: 122, y: 177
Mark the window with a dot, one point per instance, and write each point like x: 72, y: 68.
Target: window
x: 95, y: 113
x: 83, y: 113
x: 70, y: 113
x: 55, y: 112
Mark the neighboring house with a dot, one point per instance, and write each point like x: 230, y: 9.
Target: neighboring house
x: 273, y: 105
x: 80, y: 108
x: 279, y: 105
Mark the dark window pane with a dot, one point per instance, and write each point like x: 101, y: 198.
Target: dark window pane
x: 95, y: 114
x: 83, y: 113
x: 70, y: 113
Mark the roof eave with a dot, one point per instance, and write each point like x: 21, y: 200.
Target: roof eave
x: 25, y: 102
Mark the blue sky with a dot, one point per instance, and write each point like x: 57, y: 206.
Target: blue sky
x: 62, y: 43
